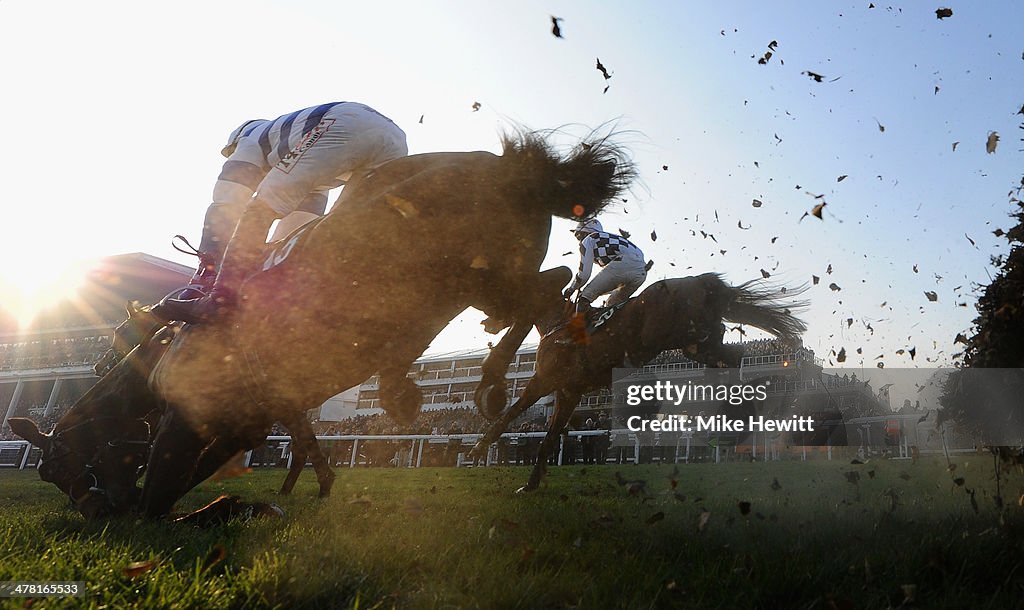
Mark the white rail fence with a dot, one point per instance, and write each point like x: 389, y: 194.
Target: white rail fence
x: 408, y: 449
x: 417, y: 450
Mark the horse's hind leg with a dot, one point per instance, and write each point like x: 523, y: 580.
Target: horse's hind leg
x: 565, y: 404
x: 295, y: 469
x: 305, y: 445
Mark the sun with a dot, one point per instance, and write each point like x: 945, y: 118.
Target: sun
x: 28, y: 288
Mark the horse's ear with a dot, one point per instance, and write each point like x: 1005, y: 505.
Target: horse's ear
x: 27, y: 429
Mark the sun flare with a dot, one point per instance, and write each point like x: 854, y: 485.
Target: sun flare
x: 29, y: 289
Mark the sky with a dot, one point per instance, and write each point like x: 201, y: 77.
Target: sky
x: 116, y: 113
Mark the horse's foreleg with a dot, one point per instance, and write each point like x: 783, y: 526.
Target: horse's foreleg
x: 172, y: 468
x: 539, y: 296
x: 400, y: 397
x: 180, y: 459
x: 490, y: 396
x: 534, y: 391
x: 565, y: 404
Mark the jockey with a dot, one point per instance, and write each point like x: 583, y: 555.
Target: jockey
x: 624, y: 267
x: 280, y: 168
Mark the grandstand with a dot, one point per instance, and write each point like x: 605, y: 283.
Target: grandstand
x: 448, y: 380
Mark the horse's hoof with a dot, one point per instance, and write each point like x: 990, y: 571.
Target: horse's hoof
x: 525, y: 489
x: 491, y: 401
x: 325, y: 488
x: 494, y: 325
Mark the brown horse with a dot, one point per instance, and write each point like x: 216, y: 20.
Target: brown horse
x: 679, y: 313
x: 365, y: 289
x: 142, y: 324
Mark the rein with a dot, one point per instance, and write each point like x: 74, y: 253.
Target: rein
x: 114, y: 444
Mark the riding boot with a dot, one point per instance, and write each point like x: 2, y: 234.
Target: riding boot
x: 220, y: 222
x: 205, y: 276
x: 583, y: 307
x: 240, y: 260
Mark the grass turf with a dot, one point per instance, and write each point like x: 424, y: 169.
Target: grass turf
x: 764, y: 535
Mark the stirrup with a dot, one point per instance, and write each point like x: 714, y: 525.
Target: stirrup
x: 182, y: 305
x: 185, y: 294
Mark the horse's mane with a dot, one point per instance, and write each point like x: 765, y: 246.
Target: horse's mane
x: 579, y: 184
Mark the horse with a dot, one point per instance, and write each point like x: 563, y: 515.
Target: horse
x: 365, y: 289
x: 142, y: 323
x: 678, y: 313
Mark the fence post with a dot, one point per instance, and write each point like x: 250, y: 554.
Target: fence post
x: 24, y: 458
x: 355, y: 452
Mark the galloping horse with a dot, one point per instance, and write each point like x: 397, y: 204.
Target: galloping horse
x: 365, y: 289
x: 678, y: 313
x: 142, y: 324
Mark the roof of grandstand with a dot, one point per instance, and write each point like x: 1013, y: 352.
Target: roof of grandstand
x: 110, y: 283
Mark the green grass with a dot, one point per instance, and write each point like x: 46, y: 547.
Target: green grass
x: 448, y: 538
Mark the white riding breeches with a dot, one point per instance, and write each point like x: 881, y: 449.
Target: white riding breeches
x: 348, y: 139
x: 619, y: 279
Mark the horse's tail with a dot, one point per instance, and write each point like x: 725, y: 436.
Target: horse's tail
x: 766, y: 306
x: 579, y: 184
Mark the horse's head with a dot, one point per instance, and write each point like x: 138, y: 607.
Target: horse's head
x: 140, y: 324
x: 556, y: 317
x: 95, y: 462
x: 96, y: 452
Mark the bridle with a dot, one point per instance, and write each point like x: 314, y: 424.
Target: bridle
x: 62, y: 450
x: 108, y: 361
x: 112, y: 356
